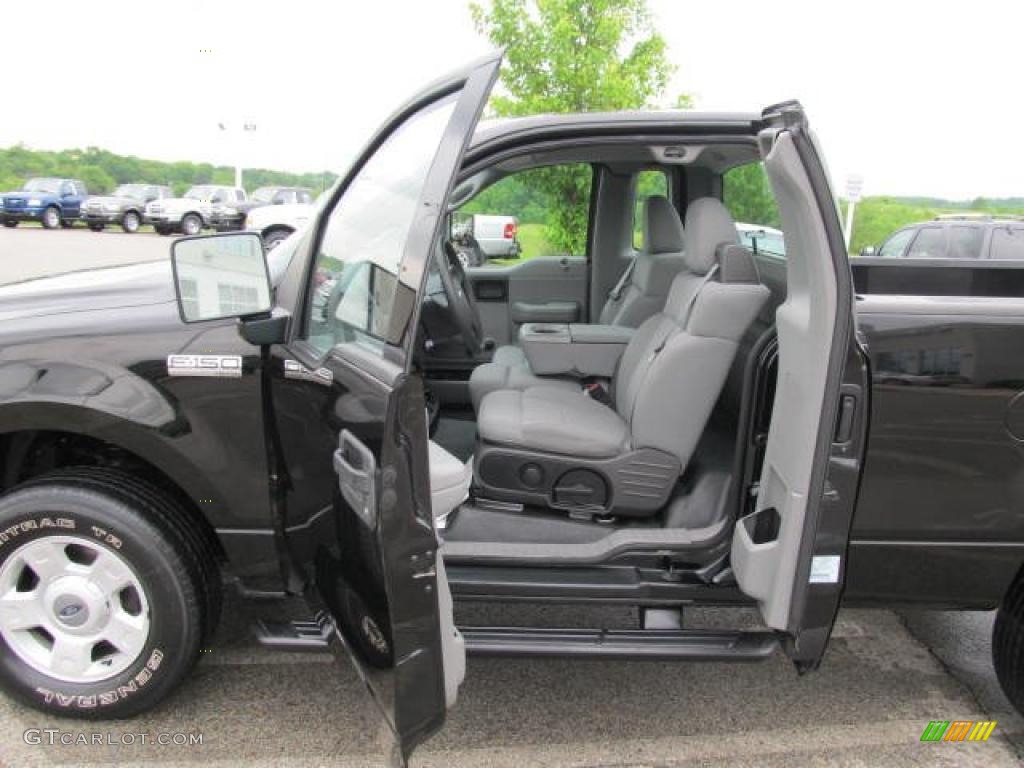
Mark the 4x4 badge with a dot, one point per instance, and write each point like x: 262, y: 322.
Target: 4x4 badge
x: 229, y: 366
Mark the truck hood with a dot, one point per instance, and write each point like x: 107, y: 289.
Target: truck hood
x: 107, y: 288
x: 295, y: 215
x: 26, y: 195
x: 122, y: 202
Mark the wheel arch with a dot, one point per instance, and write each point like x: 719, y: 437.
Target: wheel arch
x: 41, y: 437
x: 272, y: 228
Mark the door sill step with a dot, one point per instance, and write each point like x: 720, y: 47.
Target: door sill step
x: 651, y: 644
x: 311, y: 635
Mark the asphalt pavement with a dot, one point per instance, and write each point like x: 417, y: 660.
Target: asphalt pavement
x: 886, y: 675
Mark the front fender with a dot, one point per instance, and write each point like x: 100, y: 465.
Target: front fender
x: 113, y: 405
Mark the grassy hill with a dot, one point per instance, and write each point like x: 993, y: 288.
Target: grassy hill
x: 102, y: 171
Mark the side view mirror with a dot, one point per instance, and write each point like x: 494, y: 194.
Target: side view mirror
x: 220, y: 276
x: 868, y: 250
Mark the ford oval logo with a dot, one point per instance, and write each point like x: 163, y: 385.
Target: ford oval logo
x: 70, y: 610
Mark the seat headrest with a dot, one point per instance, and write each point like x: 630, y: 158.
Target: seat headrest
x: 663, y: 230
x: 736, y: 264
x: 708, y: 225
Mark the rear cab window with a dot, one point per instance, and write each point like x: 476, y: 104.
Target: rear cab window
x: 748, y: 196
x: 649, y: 183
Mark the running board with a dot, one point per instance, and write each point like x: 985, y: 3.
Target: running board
x: 313, y: 635
x: 650, y: 644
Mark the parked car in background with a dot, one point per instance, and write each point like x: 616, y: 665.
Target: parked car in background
x: 189, y: 214
x: 125, y: 207
x: 482, y: 236
x: 955, y: 236
x: 231, y: 215
x: 762, y: 239
x: 275, y: 223
x: 51, y: 201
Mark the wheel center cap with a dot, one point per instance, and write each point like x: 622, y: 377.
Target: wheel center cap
x: 77, y: 606
x: 70, y: 611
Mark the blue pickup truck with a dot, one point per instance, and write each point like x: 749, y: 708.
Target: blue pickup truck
x: 54, y: 202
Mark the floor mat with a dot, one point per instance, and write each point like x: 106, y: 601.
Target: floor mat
x: 457, y: 435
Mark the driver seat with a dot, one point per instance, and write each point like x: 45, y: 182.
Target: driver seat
x: 559, y: 448
x: 640, y: 292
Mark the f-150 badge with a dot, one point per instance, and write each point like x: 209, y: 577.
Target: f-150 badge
x: 220, y: 366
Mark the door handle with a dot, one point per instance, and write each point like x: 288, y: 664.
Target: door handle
x: 356, y: 468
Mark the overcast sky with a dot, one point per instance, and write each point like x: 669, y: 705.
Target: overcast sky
x: 917, y: 98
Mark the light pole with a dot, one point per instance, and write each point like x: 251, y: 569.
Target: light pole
x: 854, y: 187
x: 246, y: 128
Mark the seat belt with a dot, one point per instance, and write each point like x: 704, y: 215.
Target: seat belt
x: 688, y: 310
x: 616, y: 293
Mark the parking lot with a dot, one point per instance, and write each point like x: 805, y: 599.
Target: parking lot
x: 885, y: 676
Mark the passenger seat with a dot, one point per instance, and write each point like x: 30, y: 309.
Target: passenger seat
x: 639, y: 294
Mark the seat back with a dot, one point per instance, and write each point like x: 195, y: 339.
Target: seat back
x: 651, y: 274
x: 675, y: 366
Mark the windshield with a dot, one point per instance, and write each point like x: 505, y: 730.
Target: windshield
x: 201, y: 193
x: 130, y: 190
x: 50, y: 186
x: 264, y: 194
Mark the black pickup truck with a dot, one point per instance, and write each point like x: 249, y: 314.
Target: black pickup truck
x: 352, y: 425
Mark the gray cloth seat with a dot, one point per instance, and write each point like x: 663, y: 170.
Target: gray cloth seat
x: 639, y: 294
x: 668, y: 381
x: 556, y: 420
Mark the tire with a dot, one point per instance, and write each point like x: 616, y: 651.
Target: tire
x: 275, y: 237
x: 51, y: 217
x: 96, y: 227
x: 171, y: 601
x: 10, y: 224
x: 130, y: 222
x: 1008, y: 644
x: 191, y: 224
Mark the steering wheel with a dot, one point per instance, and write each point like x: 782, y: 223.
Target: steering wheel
x: 460, y: 298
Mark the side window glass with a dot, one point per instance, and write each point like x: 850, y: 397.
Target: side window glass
x: 648, y: 183
x: 748, y: 196
x: 930, y: 243
x: 965, y: 242
x: 537, y: 212
x: 355, y: 281
x: 1008, y: 243
x: 893, y: 247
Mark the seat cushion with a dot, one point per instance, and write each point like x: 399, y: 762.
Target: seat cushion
x: 491, y: 377
x: 552, y: 420
x: 449, y: 481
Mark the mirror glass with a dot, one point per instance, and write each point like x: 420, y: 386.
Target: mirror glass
x: 219, y: 276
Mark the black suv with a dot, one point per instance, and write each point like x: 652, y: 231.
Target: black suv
x: 125, y: 207
x: 955, y: 236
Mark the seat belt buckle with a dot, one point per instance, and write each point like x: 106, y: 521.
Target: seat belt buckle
x: 595, y: 390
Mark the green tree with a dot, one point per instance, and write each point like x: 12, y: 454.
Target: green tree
x: 573, y: 56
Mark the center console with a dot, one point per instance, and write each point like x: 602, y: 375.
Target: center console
x: 575, y: 349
